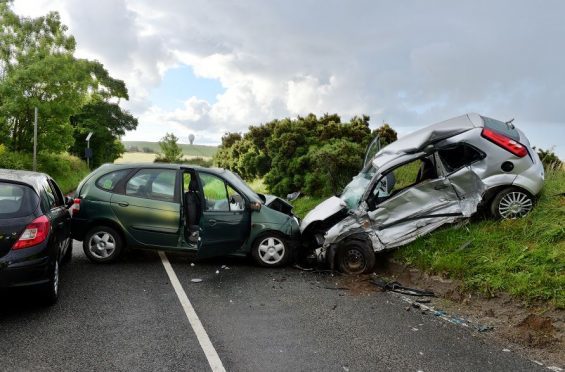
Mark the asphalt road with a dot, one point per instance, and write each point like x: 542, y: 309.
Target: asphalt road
x: 127, y: 316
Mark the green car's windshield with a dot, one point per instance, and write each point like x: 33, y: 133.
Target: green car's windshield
x: 354, y: 190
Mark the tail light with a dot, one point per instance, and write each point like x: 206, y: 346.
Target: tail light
x: 36, y: 232
x: 506, y: 143
x: 76, y: 207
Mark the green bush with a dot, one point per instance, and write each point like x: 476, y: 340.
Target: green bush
x: 66, y: 170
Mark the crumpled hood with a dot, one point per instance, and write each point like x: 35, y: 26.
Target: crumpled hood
x: 325, y: 209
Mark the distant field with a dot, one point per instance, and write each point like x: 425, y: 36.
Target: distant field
x: 142, y: 157
x: 188, y: 150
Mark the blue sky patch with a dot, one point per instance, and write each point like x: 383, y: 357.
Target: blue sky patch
x: 179, y: 84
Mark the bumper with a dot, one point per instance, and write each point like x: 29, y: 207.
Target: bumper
x: 25, y: 267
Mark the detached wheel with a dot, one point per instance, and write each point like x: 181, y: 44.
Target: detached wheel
x: 355, y: 256
x: 271, y: 250
x: 49, y: 291
x: 102, y: 244
x: 511, y: 203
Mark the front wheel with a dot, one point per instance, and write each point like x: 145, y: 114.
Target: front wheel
x: 355, y: 257
x: 102, y: 244
x: 271, y: 250
x: 511, y: 203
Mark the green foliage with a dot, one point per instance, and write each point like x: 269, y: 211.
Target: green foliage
x: 311, y: 154
x: 523, y: 257
x: 549, y: 159
x: 386, y: 134
x: 67, y: 170
x: 201, y: 151
x: 170, y: 150
x: 38, y: 69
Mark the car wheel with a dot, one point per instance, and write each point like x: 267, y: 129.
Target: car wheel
x: 511, y: 203
x: 355, y: 256
x: 102, y: 244
x: 49, y: 291
x: 271, y: 250
x: 69, y: 253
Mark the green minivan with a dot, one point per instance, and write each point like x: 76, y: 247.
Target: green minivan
x: 180, y: 208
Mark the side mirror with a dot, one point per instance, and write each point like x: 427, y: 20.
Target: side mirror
x: 255, y: 206
x: 69, y: 201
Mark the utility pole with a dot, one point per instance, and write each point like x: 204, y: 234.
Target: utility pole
x: 35, y: 141
x: 88, y: 152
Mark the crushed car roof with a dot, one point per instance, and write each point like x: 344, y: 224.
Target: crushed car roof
x: 418, y: 140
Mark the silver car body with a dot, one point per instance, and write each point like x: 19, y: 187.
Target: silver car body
x: 427, y: 205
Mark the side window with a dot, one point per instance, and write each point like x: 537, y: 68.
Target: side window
x: 403, y: 177
x: 215, y: 193
x: 237, y: 203
x: 109, y: 181
x: 50, y: 196
x: 57, y: 192
x: 157, y: 184
x: 458, y: 155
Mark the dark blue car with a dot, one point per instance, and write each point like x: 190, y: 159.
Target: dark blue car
x: 34, y: 232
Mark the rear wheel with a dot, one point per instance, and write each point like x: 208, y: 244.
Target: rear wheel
x: 49, y: 291
x: 511, y: 203
x: 355, y: 256
x: 102, y: 244
x: 271, y: 250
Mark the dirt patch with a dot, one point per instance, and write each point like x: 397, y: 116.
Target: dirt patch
x: 537, y: 332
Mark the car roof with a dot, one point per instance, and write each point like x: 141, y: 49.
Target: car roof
x: 114, y: 166
x: 33, y: 179
x: 418, y: 140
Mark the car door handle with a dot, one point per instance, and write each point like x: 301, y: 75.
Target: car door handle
x: 212, y: 222
x: 123, y: 204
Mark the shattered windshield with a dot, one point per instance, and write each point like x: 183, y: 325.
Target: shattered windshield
x: 353, y: 192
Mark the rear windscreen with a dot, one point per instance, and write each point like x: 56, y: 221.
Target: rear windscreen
x: 498, y: 126
x: 16, y: 200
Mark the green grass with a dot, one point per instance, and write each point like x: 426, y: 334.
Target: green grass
x: 187, y: 149
x: 524, y: 257
x: 305, y: 204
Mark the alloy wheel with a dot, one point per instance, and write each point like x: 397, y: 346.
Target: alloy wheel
x: 102, y: 245
x: 515, y: 204
x: 271, y: 250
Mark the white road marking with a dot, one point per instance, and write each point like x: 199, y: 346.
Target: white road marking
x: 203, y: 339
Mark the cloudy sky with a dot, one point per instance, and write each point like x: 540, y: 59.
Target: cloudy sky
x: 207, y: 67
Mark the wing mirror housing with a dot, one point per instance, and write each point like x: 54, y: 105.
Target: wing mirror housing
x: 69, y: 202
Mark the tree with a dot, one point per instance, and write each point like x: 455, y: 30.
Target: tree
x: 170, y: 150
x: 386, y: 134
x: 108, y: 122
x: 38, y: 69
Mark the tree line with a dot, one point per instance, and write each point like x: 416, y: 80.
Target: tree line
x: 74, y: 96
x: 315, y: 155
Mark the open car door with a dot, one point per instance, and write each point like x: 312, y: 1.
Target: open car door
x: 371, y: 151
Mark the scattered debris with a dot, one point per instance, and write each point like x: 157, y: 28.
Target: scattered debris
x: 397, y: 287
x: 466, y: 244
x: 303, y: 268
x: 192, y: 264
x: 506, y: 350
x: 196, y: 280
x: 555, y: 368
x: 217, y: 271
x: 225, y: 267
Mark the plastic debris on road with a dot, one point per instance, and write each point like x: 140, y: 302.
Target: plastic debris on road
x: 196, y: 280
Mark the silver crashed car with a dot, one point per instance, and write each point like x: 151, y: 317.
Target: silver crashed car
x: 437, y: 175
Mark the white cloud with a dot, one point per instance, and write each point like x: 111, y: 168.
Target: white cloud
x: 409, y: 63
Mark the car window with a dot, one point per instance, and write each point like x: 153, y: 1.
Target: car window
x: 157, y: 184
x: 16, y: 200
x: 237, y: 203
x: 50, y: 196
x: 110, y: 180
x: 57, y: 192
x: 458, y: 155
x: 403, y: 177
x: 215, y: 193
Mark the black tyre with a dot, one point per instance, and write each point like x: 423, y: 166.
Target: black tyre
x: 102, y: 244
x: 69, y: 253
x: 49, y: 291
x: 271, y: 249
x: 511, y: 203
x: 355, y: 256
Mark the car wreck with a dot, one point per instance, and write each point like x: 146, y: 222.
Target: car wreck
x: 437, y: 175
